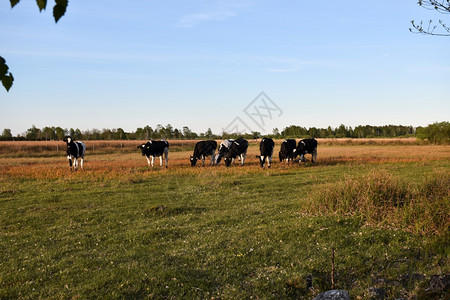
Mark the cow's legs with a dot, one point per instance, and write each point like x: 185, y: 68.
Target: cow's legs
x: 81, y: 162
x: 212, y: 159
x: 203, y: 160
x: 70, y: 162
x: 148, y: 161
x: 302, y: 158
x: 269, y: 161
x: 242, y: 158
x: 153, y: 160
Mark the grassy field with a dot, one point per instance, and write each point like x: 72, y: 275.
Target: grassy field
x: 371, y: 217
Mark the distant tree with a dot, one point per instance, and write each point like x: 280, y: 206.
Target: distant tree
x: 276, y: 133
x: 294, y: 131
x: 168, y: 131
x: 341, y: 131
x: 77, y: 134
x: 140, y: 133
x: 330, y: 132
x: 441, y: 6
x: 49, y: 133
x: 176, y: 133
x: 33, y: 133
x: 149, y: 132
x: 96, y: 134
x: 187, y: 133
x: 437, y: 133
x: 6, y: 134
x: 159, y: 131
x: 209, y: 134
x: 120, y: 134
x: 60, y: 133
x: 256, y: 135
x: 313, y: 132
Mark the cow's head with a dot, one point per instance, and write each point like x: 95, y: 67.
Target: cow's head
x: 300, y: 150
x: 143, y: 147
x: 67, y: 139
x: 228, y: 161
x: 193, y: 161
x: 222, y: 150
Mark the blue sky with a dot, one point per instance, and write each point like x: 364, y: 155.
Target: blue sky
x: 127, y: 64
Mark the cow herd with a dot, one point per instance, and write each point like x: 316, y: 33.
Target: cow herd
x: 228, y: 150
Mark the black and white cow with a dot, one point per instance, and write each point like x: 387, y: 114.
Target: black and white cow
x: 287, y: 150
x: 202, y: 150
x: 155, y: 148
x: 237, y: 148
x: 223, y: 149
x: 266, y: 149
x: 75, y: 151
x: 304, y: 147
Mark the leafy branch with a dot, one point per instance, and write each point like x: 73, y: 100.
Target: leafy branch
x: 443, y: 7
x: 59, y: 10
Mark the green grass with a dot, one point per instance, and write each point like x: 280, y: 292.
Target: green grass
x: 206, y: 233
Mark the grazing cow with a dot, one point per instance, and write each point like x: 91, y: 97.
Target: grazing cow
x: 306, y: 146
x: 202, y: 150
x: 75, y: 151
x: 223, y: 149
x: 287, y: 150
x: 237, y: 148
x: 266, y: 149
x: 155, y: 148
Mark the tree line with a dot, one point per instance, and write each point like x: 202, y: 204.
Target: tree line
x: 435, y: 133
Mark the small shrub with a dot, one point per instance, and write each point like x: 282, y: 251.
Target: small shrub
x: 381, y: 199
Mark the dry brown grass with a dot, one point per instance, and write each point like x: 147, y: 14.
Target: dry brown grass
x: 115, y: 158
x: 47, y: 148
x: 384, y: 200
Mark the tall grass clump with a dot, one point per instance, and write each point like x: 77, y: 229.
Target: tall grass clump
x: 429, y: 209
x: 382, y: 199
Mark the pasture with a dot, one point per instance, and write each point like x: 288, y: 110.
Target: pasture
x: 371, y: 217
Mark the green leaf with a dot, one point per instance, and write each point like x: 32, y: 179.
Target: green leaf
x: 3, y: 70
x: 7, y: 81
x: 14, y: 2
x: 42, y: 4
x: 59, y: 9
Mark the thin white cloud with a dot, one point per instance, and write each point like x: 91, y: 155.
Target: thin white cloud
x: 194, y: 19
